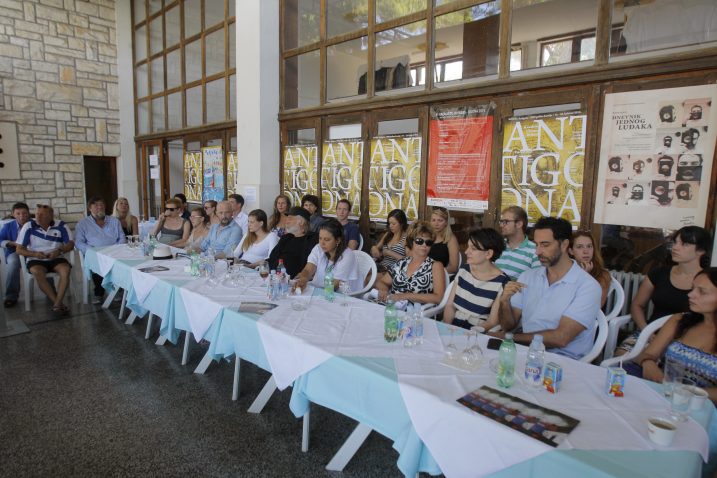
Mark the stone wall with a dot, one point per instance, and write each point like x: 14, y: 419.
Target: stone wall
x: 58, y: 72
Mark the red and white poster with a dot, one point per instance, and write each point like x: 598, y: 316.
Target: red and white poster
x: 459, y: 155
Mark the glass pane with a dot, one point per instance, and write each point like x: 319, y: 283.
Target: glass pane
x: 587, y: 48
x: 154, y: 6
x: 650, y: 26
x: 158, y: 114
x: 390, y: 9
x: 174, y: 113
x: 140, y: 43
x: 548, y: 29
x: 214, y: 51
x: 346, y: 16
x: 174, y: 69
x: 516, y: 59
x: 301, y: 80
x: 402, y: 126
x: 143, y: 117
x: 232, y: 45
x: 138, y: 11
x: 396, y: 50
x: 171, y: 26
x: 301, y: 22
x: 157, y: 75
x: 466, y: 42
x: 345, y: 64
x: 192, y: 17
x: 193, y: 61
x: 142, y: 80
x: 216, y: 97
x: 155, y: 35
x: 233, y: 97
x: 213, y: 13
x: 194, y: 106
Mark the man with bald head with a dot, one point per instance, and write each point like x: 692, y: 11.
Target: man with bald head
x: 224, y: 236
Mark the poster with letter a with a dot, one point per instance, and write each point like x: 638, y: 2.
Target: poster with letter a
x: 232, y: 172
x: 543, y: 165
x: 212, y: 157
x: 193, y: 176
x: 300, y: 171
x: 655, y: 159
x: 395, y: 176
x: 341, y: 167
x: 459, y: 155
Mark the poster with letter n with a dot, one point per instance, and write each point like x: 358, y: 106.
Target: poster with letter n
x: 300, y: 171
x: 212, y: 157
x: 395, y: 176
x: 232, y: 172
x: 341, y: 169
x: 459, y: 156
x: 193, y: 176
x: 656, y: 155
x: 543, y: 165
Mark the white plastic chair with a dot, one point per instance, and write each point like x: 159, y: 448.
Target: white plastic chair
x: 600, y: 339
x: 437, y: 309
x: 615, y: 302
x: 360, y: 244
x: 641, y: 343
x: 366, y: 265
x: 28, y: 280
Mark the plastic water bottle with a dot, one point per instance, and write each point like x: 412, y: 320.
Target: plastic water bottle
x: 283, y: 279
x: 194, y: 265
x: 535, y: 362
x: 417, y: 328
x: 280, y: 267
x: 271, y: 285
x: 506, y: 362
x: 406, y: 327
x: 153, y: 243
x: 329, y: 293
x: 390, y: 322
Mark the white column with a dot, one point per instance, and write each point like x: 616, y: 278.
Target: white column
x: 127, y: 184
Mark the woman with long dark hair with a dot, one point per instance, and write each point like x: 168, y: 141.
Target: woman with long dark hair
x: 391, y: 248
x: 257, y: 243
x: 279, y: 218
x: 582, y: 249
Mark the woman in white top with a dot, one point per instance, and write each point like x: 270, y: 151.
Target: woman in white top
x: 256, y: 245
x: 332, y: 254
x: 200, y: 228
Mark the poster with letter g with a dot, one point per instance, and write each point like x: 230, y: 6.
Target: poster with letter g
x: 656, y: 156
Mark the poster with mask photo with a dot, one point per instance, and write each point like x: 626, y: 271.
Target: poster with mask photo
x: 656, y: 156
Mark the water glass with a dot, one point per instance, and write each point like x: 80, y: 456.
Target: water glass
x: 680, y: 400
x: 129, y: 241
x: 673, y: 372
x: 264, y: 271
x: 451, y: 350
x: 345, y: 290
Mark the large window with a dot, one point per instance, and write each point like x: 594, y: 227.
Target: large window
x: 184, y: 63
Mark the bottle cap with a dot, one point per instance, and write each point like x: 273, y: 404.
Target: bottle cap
x: 537, y: 338
x: 508, y: 336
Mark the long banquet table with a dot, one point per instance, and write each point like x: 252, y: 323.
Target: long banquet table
x: 334, y: 355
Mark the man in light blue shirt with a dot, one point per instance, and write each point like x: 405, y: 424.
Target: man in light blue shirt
x: 8, y: 241
x: 97, y: 230
x: 559, y: 301
x: 223, y: 237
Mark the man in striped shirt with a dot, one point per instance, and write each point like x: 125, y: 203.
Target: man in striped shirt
x: 43, y: 241
x: 519, y: 254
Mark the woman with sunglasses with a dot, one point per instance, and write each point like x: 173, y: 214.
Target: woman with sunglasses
x: 171, y: 228
x: 210, y: 207
x: 582, y: 249
x: 416, y: 278
x: 200, y: 228
x: 474, y: 300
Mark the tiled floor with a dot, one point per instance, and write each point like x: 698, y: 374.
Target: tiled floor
x: 89, y: 396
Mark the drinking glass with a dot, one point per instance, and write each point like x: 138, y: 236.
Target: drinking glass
x: 680, y: 400
x: 469, y: 355
x: 451, y: 349
x: 345, y: 289
x: 673, y: 372
x: 129, y: 241
x: 264, y: 271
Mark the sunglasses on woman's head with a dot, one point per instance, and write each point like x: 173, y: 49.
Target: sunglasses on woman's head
x: 419, y: 242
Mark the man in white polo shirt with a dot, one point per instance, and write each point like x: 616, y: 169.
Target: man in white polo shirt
x: 519, y: 254
x: 43, y: 241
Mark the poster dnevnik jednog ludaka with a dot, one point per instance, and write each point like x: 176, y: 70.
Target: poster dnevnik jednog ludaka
x: 655, y: 159
x: 543, y: 164
x: 459, y: 156
x: 394, y: 178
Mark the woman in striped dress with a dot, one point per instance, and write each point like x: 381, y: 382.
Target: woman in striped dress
x: 478, y: 284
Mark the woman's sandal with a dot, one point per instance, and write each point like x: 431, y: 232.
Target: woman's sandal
x: 60, y: 310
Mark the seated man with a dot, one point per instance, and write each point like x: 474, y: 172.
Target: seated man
x: 351, y: 230
x: 559, y: 301
x: 8, y: 240
x: 224, y: 236
x: 43, y: 241
x: 98, y: 230
x: 311, y: 203
x: 296, y: 244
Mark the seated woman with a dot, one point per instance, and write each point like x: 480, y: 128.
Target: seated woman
x: 171, y: 229
x: 256, y: 245
x: 582, y: 249
x: 478, y: 284
x: 667, y: 287
x: 279, y: 220
x: 445, y: 249
x: 210, y: 207
x: 689, y: 338
x: 330, y: 254
x: 311, y: 203
x: 129, y: 223
x: 391, y: 248
x: 200, y: 228
x: 417, y: 278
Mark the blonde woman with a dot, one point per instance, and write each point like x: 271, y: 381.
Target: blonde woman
x: 257, y: 243
x: 279, y: 219
x: 130, y: 225
x: 445, y: 250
